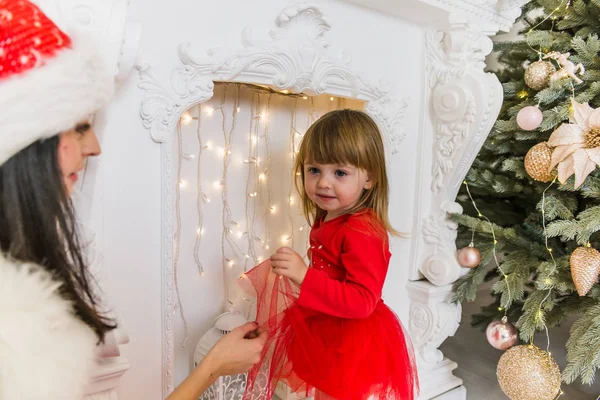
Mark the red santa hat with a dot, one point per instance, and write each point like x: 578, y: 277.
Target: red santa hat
x: 48, y: 81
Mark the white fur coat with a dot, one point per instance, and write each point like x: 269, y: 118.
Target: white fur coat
x: 46, y: 353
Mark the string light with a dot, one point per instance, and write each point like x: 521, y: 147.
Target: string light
x: 495, y: 242
x: 177, y: 236
x: 186, y: 118
x: 238, y: 244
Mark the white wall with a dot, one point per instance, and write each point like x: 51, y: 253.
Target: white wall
x: 129, y: 168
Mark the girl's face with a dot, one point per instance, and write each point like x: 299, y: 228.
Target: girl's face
x: 74, y: 147
x: 335, y: 188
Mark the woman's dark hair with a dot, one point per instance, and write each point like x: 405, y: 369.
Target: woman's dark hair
x: 37, y: 225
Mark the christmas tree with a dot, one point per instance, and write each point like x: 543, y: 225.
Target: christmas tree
x: 532, y: 197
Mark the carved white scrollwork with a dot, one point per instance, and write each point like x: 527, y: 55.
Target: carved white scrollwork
x: 441, y: 267
x: 432, y: 319
x: 298, y: 58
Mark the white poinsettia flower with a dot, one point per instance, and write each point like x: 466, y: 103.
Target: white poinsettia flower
x: 577, y: 144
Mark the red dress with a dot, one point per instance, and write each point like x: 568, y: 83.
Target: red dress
x: 334, y: 333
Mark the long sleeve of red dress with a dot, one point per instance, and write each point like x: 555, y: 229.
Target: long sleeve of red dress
x: 363, y: 263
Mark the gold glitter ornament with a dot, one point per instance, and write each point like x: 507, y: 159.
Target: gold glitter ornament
x: 585, y: 268
x: 537, y: 162
x: 528, y: 373
x: 537, y: 75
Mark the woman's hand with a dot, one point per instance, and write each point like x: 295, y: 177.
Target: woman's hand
x: 286, y: 262
x: 237, y: 351
x: 234, y: 353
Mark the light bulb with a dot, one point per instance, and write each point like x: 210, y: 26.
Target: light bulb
x: 217, y: 184
x: 331, y: 98
x: 209, y: 110
x: 186, y: 118
x: 262, y: 177
x: 291, y: 200
x: 182, y: 183
x: 273, y: 209
x: 305, y: 97
x: 238, y: 109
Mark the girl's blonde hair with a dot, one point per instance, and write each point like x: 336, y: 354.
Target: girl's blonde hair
x: 346, y: 137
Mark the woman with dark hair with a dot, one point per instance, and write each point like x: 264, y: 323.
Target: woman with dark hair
x: 50, y: 326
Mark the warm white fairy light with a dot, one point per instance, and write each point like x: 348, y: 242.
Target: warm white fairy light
x: 260, y: 209
x: 182, y: 183
x: 186, y: 118
x: 177, y: 235
x: 331, y: 99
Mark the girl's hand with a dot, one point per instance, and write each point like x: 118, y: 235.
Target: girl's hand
x: 286, y: 262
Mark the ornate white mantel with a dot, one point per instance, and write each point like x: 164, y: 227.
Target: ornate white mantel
x: 463, y: 103
x: 459, y: 107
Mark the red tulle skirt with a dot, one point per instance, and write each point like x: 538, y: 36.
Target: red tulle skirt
x: 347, y: 359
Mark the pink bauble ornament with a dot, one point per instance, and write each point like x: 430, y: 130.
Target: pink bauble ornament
x: 501, y: 335
x: 469, y: 257
x: 529, y: 118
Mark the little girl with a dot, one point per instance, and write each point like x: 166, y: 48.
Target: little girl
x: 329, y: 328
